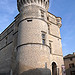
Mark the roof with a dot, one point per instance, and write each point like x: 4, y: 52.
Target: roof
x: 69, y: 56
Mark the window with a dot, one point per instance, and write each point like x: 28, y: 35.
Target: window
x: 50, y: 45
x: 45, y: 64
x: 50, y: 48
x: 48, y: 29
x: 71, y: 59
x: 46, y: 3
x: 42, y: 13
x: 48, y: 18
x: 43, y: 38
x: 29, y: 20
x: 71, y: 65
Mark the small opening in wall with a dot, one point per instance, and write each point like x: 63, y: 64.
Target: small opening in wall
x: 43, y: 38
x: 46, y: 3
x: 71, y: 59
x: 48, y: 29
x: 50, y: 48
x: 45, y: 64
x: 42, y: 13
x: 48, y: 18
x: 29, y: 20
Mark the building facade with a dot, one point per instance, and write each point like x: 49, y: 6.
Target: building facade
x: 69, y: 62
x: 31, y: 44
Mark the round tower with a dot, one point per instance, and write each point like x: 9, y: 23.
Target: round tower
x: 33, y: 52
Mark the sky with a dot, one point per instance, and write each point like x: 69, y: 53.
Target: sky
x: 60, y: 8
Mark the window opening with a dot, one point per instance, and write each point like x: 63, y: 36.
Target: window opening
x: 43, y: 38
x: 71, y: 65
x: 42, y: 13
x: 29, y: 20
x: 48, y: 18
x: 48, y: 29
x: 50, y: 48
x: 71, y: 59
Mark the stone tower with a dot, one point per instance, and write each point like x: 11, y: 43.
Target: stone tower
x: 33, y: 46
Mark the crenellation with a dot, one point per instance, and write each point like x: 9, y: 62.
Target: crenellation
x: 40, y: 3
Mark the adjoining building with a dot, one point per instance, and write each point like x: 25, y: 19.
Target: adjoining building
x: 31, y: 44
x: 69, y: 61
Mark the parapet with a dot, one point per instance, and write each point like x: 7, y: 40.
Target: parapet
x: 42, y: 3
x: 53, y: 19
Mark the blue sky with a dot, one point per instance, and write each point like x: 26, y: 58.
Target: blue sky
x: 61, y: 8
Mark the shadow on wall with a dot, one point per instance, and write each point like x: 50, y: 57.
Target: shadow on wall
x: 38, y: 71
x: 70, y: 71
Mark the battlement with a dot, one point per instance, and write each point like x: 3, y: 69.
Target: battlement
x: 42, y: 3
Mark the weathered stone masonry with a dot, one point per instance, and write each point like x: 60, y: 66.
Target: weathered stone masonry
x: 32, y: 43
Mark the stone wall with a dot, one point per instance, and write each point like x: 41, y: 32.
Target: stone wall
x: 8, y: 44
x: 9, y: 38
x: 70, y: 65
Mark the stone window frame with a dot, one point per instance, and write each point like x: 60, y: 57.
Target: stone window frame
x: 42, y: 13
x: 43, y: 37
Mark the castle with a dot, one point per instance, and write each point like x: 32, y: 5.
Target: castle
x: 31, y: 44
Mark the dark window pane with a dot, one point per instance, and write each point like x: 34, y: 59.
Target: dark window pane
x: 71, y: 59
x: 43, y: 41
x: 71, y: 65
x: 43, y: 36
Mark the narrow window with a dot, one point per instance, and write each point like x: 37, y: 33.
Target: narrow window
x: 42, y: 13
x: 48, y: 29
x: 46, y: 3
x: 50, y: 48
x: 43, y: 38
x: 45, y: 64
x: 48, y: 18
x: 41, y: 1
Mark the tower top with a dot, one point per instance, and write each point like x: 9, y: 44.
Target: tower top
x: 23, y: 3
